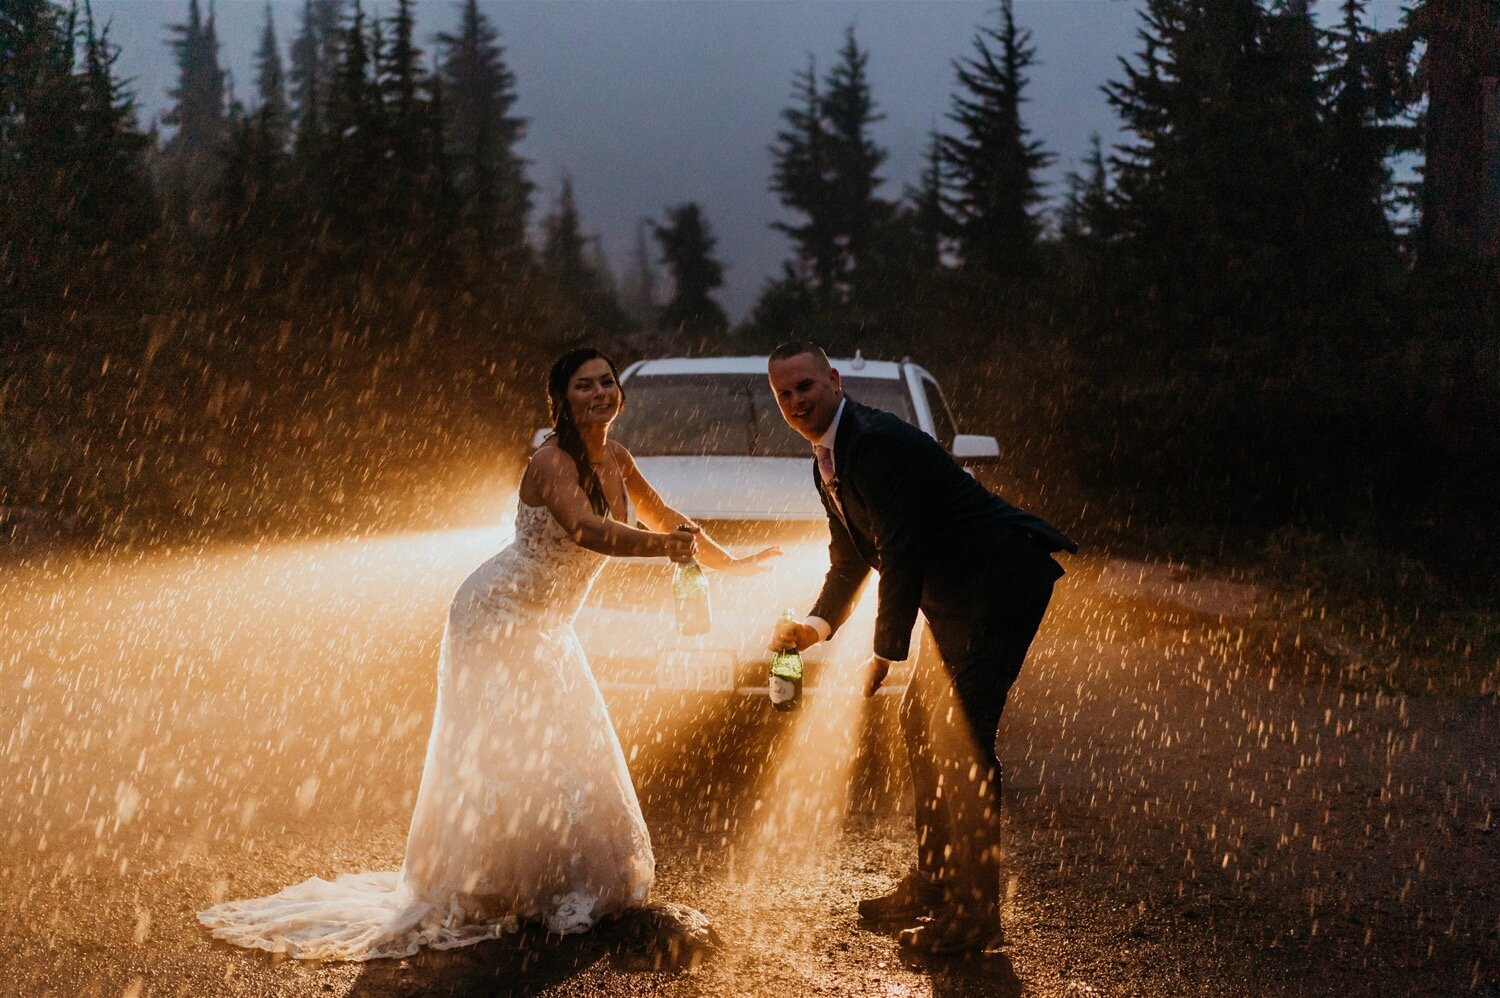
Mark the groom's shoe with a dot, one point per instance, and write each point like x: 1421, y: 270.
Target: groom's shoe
x: 914, y: 897
x: 955, y: 931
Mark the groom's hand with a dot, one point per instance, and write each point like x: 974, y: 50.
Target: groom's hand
x: 876, y: 669
x: 792, y: 635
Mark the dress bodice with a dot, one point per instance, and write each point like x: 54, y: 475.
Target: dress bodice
x: 542, y: 577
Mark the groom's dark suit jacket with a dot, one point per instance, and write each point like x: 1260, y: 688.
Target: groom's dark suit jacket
x: 900, y: 504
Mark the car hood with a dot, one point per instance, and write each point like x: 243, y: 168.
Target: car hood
x: 736, y: 488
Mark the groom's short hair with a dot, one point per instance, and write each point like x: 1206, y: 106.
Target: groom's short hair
x: 796, y: 348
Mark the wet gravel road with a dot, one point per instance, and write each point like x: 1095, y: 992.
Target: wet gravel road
x: 1194, y: 806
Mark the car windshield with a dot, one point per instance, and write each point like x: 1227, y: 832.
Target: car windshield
x: 727, y: 414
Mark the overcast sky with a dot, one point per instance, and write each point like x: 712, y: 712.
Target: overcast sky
x: 650, y: 104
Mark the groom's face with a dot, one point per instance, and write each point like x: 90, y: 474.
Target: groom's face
x: 807, y: 390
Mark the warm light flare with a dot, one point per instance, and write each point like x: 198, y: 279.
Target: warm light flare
x: 804, y: 792
x: 132, y: 680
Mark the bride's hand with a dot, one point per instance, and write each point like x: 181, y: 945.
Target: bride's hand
x: 755, y: 563
x: 682, y: 544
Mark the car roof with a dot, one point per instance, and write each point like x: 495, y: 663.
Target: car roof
x: 846, y: 366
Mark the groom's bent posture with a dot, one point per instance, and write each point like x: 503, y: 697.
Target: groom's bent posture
x: 980, y: 571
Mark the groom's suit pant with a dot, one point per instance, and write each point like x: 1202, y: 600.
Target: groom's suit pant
x: 982, y: 617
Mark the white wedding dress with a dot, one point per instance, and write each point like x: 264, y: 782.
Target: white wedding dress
x: 526, y: 809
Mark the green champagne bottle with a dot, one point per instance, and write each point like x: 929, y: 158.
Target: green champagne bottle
x: 786, y: 676
x: 690, y: 591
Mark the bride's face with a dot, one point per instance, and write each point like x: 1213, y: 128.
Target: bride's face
x: 593, y: 395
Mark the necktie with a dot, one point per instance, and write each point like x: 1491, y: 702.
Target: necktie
x: 825, y: 462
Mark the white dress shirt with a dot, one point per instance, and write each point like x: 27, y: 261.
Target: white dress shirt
x: 824, y: 629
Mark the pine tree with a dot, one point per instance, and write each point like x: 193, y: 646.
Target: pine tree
x: 1359, y: 149
x: 562, y: 256
x: 1213, y: 192
x: 190, y: 159
x: 565, y: 261
x: 1230, y: 211
x: 1290, y: 74
x: 904, y: 263
x: 598, y: 261
x: 687, y: 245
x: 272, y: 112
x: 115, y: 197
x: 1361, y: 135
x: 801, y: 175
x: 1084, y: 219
x: 356, y: 139
x: 401, y: 87
x: 994, y: 164
x: 489, y: 175
x: 412, y: 128
x: 824, y: 165
x: 931, y: 225
x: 250, y: 193
x: 76, y: 201
x: 853, y: 159
x: 245, y: 192
x: 314, y: 56
x: 1145, y: 100
x: 39, y: 101
x: 1087, y: 243
x: 442, y: 205
x: 1460, y: 205
x: 640, y: 299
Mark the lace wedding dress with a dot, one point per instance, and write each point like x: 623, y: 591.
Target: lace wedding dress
x: 526, y: 808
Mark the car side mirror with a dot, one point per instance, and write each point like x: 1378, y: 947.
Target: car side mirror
x: 540, y: 437
x: 973, y: 448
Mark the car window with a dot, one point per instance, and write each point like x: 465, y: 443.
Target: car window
x: 685, y: 414
x: 882, y: 393
x: 726, y: 414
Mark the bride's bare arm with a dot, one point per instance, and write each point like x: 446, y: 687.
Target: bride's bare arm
x: 654, y: 512
x: 552, y: 477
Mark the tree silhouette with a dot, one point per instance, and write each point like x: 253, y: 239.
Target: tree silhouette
x: 640, y: 298
x: 314, y: 56
x: 931, y: 224
x: 801, y: 176
x: 564, y: 260
x: 687, y: 244
x: 993, y: 162
x: 76, y: 201
x: 39, y: 100
x: 272, y: 110
x: 356, y: 137
x: 190, y: 158
x: 853, y: 159
x: 115, y: 195
x: 1084, y: 220
x: 489, y: 175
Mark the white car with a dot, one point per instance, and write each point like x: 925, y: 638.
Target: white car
x: 707, y: 434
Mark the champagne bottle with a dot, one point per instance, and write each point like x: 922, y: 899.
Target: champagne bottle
x: 690, y: 590
x: 786, y: 676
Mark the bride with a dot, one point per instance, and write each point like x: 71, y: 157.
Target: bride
x: 526, y: 809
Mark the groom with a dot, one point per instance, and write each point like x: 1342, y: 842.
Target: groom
x: 980, y: 571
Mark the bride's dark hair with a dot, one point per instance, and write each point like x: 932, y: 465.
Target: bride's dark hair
x: 569, y: 439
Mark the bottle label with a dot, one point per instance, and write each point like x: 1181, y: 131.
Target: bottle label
x: 782, y: 690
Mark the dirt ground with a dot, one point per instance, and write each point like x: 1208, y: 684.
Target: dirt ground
x: 1193, y: 806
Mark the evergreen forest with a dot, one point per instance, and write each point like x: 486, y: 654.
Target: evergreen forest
x: 1246, y: 338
